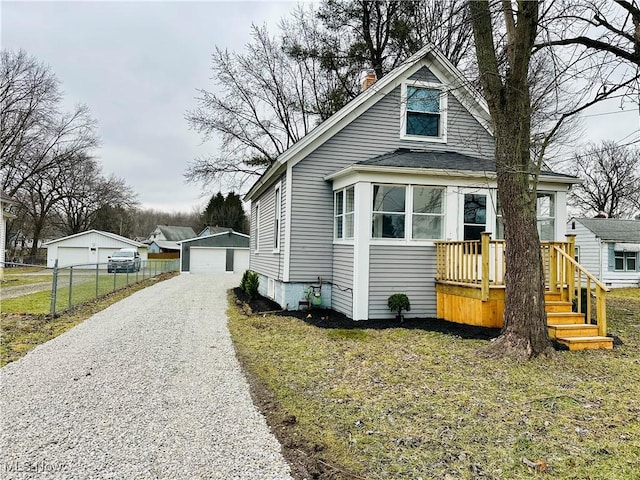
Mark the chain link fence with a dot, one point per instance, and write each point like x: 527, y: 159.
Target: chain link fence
x: 76, y: 284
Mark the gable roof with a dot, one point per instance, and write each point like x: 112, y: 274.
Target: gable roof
x: 166, y: 244
x: 463, y: 91
x: 213, y: 230
x: 227, y: 232
x: 613, y: 229
x: 174, y: 233
x: 407, y: 159
x: 110, y: 235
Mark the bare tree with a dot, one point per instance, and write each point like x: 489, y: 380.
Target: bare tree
x: 611, y: 180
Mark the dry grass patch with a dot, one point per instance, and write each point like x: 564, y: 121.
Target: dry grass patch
x: 414, y: 403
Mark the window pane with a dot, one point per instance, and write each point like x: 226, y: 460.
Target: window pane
x: 350, y: 200
x: 338, y: 227
x: 425, y: 124
x: 388, y: 225
x: 546, y: 230
x: 339, y: 202
x: 427, y: 200
x: 619, y: 265
x: 348, y: 221
x: 423, y: 99
x: 544, y: 205
x: 475, y: 209
x: 631, y: 262
x: 388, y: 199
x: 427, y: 227
x: 472, y: 232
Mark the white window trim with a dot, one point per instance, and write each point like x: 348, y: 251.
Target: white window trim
x: 257, y: 249
x: 344, y: 240
x: 553, y: 213
x: 408, y: 216
x: 277, y: 220
x: 443, y: 112
x: 624, y: 261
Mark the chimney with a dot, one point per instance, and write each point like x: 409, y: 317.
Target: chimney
x: 368, y: 79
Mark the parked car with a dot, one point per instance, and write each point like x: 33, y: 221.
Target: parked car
x: 124, y: 260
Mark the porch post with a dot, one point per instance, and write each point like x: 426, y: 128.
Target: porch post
x: 571, y: 269
x: 485, y: 238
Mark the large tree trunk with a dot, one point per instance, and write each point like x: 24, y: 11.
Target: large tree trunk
x: 524, y: 334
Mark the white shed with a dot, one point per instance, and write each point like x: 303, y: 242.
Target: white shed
x: 225, y: 251
x: 85, y: 249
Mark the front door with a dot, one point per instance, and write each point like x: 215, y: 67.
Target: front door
x: 477, y: 213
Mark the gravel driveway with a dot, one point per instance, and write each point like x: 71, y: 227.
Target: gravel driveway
x: 148, y: 388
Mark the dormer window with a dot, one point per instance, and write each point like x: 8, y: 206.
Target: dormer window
x: 424, y: 112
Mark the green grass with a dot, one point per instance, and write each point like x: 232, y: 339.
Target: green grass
x: 401, y: 403
x: 23, y: 332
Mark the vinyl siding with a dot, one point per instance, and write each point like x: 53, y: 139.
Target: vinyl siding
x: 402, y: 269
x: 425, y: 75
x: 266, y: 261
x: 342, y: 289
x: 589, y: 248
x: 375, y: 132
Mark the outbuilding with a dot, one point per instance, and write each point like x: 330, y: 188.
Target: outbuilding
x: 86, y: 249
x: 226, y: 251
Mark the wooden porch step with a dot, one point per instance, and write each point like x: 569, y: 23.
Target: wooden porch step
x: 587, y: 343
x: 564, y: 318
x: 552, y: 296
x: 573, y: 331
x: 557, y: 306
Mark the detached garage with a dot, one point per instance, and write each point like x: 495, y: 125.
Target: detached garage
x: 226, y: 251
x: 85, y: 249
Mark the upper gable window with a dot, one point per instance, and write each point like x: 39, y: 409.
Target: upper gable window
x: 424, y: 112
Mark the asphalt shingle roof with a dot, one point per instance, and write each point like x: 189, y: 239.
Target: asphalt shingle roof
x: 175, y: 233
x: 613, y: 229
x: 438, y: 160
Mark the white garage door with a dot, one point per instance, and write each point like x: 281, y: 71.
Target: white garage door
x: 72, y: 256
x: 241, y: 260
x: 207, y: 260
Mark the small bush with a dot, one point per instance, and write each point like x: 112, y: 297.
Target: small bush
x: 243, y: 282
x: 251, y: 283
x: 398, y: 302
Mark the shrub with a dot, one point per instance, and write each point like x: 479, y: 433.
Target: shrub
x: 398, y: 302
x: 251, y: 284
x: 243, y: 282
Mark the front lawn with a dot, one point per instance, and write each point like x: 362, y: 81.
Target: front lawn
x: 410, y: 402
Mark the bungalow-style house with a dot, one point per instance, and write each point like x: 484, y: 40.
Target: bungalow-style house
x: 609, y: 248
x: 223, y: 251
x: 357, y: 206
x: 165, y: 238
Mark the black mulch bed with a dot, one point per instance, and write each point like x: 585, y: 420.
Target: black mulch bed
x: 325, y: 318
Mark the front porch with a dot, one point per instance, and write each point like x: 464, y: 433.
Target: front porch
x: 470, y: 289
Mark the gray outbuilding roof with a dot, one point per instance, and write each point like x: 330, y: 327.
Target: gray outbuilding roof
x: 176, y: 233
x: 613, y: 229
x: 406, y: 158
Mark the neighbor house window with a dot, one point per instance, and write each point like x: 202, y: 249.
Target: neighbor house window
x: 344, y: 207
x: 388, y: 219
x: 424, y: 111
x: 276, y: 220
x: 428, y: 213
x: 626, y: 261
x: 545, y: 211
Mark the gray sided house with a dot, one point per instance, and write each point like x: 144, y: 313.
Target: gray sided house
x: 609, y: 248
x: 357, y: 204
x: 165, y: 238
x: 225, y: 251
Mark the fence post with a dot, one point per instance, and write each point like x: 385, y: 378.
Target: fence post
x: 97, y: 277
x: 485, y: 238
x: 70, y: 285
x: 54, y: 288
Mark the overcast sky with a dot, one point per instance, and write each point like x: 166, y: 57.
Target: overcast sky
x: 137, y: 66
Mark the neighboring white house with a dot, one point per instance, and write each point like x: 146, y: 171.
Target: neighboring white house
x: 609, y: 248
x: 165, y: 238
x: 355, y: 206
x: 88, y: 248
x: 6, y: 202
x: 224, y: 251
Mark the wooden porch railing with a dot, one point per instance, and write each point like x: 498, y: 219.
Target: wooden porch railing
x: 481, y: 264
